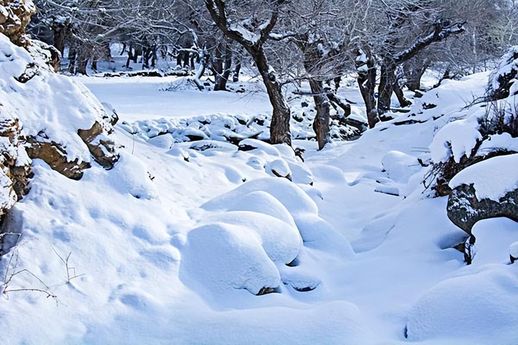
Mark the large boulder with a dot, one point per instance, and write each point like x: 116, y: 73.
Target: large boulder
x: 465, y: 209
x: 484, y: 190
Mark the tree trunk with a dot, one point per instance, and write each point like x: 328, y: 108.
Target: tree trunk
x: 72, y: 57
x: 179, y: 58
x: 59, y: 32
x: 280, y: 125
x: 321, y: 122
x: 82, y: 60
x: 136, y: 53
x: 367, y: 84
x: 186, y: 60
x: 217, y: 68
x: 130, y: 55
x: 386, y: 87
x: 237, y: 70
x: 413, y: 72
x: 228, y: 63
x: 222, y: 66
x: 403, y: 102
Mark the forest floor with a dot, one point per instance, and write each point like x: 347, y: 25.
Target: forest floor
x: 171, y: 246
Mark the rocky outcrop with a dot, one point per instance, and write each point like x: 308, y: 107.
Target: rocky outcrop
x: 15, y: 170
x: 14, y: 18
x: 464, y: 208
x: 55, y: 156
x: 100, y: 146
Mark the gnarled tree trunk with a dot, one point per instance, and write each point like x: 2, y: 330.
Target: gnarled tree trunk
x: 280, y: 125
x: 366, y: 69
x: 321, y: 122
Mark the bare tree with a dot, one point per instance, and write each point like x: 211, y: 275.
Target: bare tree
x: 252, y: 31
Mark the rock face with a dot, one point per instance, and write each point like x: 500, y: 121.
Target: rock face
x: 14, y: 18
x: 56, y: 157
x: 15, y: 168
x: 464, y: 209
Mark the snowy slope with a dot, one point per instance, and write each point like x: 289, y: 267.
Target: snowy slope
x: 174, y: 244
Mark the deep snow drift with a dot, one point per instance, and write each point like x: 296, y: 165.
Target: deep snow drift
x: 211, y: 243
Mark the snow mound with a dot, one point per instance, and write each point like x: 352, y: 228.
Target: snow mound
x: 278, y: 168
x: 478, y: 309
x: 400, y: 166
x: 222, y: 257
x: 281, y: 241
x: 131, y: 176
x: 513, y: 250
x: 294, y: 199
x: 315, y: 231
x: 456, y: 139
x: 498, y: 142
x: 492, y: 178
x: 494, y: 238
x: 262, y: 202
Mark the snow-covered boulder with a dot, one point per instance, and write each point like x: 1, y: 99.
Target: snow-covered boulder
x: 131, y: 177
x: 455, y: 140
x: 485, y: 190
x: 279, y: 168
x: 218, y: 257
x: 280, y: 240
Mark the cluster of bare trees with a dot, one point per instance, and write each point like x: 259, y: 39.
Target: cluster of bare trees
x: 386, y: 44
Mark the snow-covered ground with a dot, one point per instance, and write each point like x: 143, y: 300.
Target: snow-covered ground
x: 174, y: 244
x: 139, y: 98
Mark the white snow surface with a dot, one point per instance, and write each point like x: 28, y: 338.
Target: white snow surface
x: 513, y: 250
x: 173, y: 244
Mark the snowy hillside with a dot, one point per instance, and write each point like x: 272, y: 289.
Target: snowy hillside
x: 159, y: 216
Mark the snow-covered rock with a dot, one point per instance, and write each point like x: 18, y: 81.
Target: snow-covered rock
x: 457, y: 139
x: 503, y: 79
x: 484, y: 190
x: 294, y: 199
x: 491, y: 178
x: 279, y: 168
